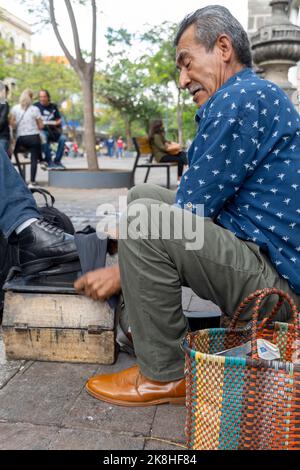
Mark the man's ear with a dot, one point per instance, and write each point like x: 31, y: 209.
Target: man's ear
x: 224, y: 45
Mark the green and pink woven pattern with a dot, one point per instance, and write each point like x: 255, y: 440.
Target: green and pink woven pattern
x: 244, y: 403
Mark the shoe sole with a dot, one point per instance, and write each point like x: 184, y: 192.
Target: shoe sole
x: 37, y: 266
x: 181, y: 401
x: 56, y: 169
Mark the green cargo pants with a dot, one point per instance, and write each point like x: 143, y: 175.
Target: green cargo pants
x: 153, y: 271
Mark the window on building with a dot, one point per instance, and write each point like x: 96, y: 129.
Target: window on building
x: 11, y: 59
x: 251, y: 23
x: 23, y: 53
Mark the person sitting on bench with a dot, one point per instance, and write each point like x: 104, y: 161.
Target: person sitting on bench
x: 52, y: 132
x: 165, y: 151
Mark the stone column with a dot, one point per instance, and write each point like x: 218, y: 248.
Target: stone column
x: 276, y: 46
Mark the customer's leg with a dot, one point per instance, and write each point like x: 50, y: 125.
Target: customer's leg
x: 16, y: 202
x: 60, y: 149
x: 153, y: 271
x: 4, y: 144
x: 35, y: 148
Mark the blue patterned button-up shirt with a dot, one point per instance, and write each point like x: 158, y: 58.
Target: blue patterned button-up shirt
x: 245, y: 168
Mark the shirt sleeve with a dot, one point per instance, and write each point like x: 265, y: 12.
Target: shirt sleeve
x: 220, y: 159
x: 14, y: 112
x: 57, y: 114
x: 36, y: 112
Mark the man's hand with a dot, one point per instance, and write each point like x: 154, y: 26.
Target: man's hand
x: 101, y: 284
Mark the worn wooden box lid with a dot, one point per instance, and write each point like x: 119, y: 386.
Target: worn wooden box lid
x: 56, y: 311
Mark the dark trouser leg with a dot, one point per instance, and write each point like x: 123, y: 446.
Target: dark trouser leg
x: 46, y: 149
x: 4, y: 143
x: 181, y: 159
x: 36, y: 156
x: 33, y: 145
x: 16, y: 202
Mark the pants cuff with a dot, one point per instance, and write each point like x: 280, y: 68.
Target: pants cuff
x: 168, y: 376
x: 20, y: 221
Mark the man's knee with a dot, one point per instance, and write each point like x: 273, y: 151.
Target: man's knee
x: 141, y: 191
x: 135, y: 223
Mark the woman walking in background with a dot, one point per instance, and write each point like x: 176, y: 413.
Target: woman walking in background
x: 165, y: 151
x: 27, y: 121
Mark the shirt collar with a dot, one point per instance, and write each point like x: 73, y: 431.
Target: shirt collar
x: 244, y: 73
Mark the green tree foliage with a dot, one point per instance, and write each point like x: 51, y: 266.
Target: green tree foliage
x: 59, y: 79
x: 146, y: 88
x: 124, y: 84
x: 7, y: 57
x: 160, y: 59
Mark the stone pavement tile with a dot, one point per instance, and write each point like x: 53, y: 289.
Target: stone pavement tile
x: 157, y: 445
x: 169, y: 423
x: 79, y: 439
x: 16, y: 436
x: 7, y: 368
x: 90, y: 413
x: 44, y: 393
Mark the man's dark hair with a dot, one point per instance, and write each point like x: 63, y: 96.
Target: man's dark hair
x: 212, y: 21
x: 47, y: 93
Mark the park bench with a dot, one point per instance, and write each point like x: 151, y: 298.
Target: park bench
x: 144, y: 150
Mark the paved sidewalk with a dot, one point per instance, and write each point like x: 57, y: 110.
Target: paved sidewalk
x: 45, y: 406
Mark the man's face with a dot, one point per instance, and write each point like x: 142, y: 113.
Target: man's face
x: 201, y: 72
x: 43, y: 98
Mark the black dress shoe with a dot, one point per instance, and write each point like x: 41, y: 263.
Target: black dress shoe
x: 42, y: 245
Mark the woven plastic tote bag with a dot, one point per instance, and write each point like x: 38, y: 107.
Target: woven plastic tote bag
x: 244, y: 403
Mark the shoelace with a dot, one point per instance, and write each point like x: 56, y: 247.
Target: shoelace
x: 50, y: 228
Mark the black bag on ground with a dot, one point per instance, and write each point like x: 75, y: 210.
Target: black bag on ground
x: 51, y: 214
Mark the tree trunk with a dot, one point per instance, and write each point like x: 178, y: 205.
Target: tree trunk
x: 180, y: 117
x: 128, y: 133
x: 89, y: 121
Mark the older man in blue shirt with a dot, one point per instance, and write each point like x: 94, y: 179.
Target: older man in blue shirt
x: 244, y: 167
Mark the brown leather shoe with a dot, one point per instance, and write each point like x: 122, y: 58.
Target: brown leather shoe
x: 131, y: 388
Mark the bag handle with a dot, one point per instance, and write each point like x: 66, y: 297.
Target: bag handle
x: 44, y: 193
x: 260, y: 296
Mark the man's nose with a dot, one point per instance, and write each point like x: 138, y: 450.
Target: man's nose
x: 184, y: 79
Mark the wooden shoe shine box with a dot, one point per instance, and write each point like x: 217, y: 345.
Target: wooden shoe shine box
x: 58, y: 327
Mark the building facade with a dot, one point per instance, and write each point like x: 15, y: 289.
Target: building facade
x: 17, y: 32
x: 259, y: 12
